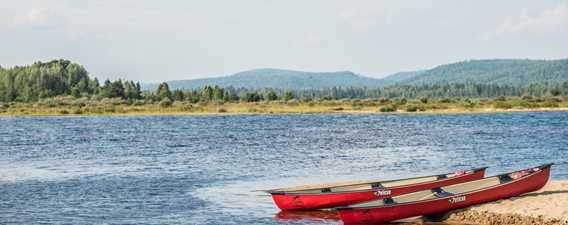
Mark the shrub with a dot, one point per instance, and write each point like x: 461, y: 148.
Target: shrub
x: 467, y: 103
x: 502, y: 105
x: 77, y: 111
x: 94, y: 109
x: 411, y: 108
x: 387, y: 109
x: 51, y: 102
x: 401, y: 101
x: 81, y: 102
x: 368, y: 102
x: 384, y: 101
x: 549, y: 104
x: 110, y: 109
x: 501, y: 98
x: 552, y: 99
x: 292, y: 102
x: 188, y: 107
x: 221, y: 110
x: 139, y: 102
x: 166, y: 102
x: 112, y: 101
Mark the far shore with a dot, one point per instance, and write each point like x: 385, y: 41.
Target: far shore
x: 258, y: 108
x: 346, y: 112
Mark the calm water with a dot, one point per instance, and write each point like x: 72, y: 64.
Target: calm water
x: 202, y: 169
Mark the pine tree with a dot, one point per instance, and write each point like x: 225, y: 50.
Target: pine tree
x: 163, y: 91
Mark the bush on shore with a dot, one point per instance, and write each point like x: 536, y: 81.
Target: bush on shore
x: 387, y: 109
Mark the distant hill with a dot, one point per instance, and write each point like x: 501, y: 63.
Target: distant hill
x: 516, y: 72
x: 278, y: 78
x: 402, y: 77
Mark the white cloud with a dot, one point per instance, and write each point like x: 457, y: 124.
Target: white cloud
x: 553, y: 20
x: 309, y: 40
x: 365, y: 19
x: 35, y: 16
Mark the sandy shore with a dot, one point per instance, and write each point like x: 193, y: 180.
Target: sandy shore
x: 546, y: 206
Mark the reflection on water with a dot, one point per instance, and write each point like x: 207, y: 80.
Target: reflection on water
x: 329, y: 217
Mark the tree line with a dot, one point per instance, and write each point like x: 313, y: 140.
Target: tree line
x: 64, y: 78
x: 59, y: 78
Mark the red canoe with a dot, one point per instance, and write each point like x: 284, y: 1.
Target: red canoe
x: 341, y: 194
x: 440, y: 200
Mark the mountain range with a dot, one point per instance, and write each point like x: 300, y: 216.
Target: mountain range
x: 515, y: 72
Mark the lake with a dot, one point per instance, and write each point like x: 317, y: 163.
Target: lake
x: 204, y: 169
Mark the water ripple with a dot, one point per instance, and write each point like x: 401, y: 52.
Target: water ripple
x: 201, y: 169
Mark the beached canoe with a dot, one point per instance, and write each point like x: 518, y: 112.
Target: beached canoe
x: 446, y: 198
x: 331, y: 195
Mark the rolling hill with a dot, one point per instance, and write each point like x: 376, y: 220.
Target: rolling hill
x: 401, y: 77
x: 516, y: 72
x: 278, y: 78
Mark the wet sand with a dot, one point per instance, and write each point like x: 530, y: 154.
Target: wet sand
x: 548, y: 206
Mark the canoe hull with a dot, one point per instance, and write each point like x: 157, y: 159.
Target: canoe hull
x: 397, y: 212
x: 329, y: 200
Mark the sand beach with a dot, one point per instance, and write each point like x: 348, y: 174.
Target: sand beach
x: 547, y: 206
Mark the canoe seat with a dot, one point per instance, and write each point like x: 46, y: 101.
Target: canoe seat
x: 388, y: 201
x: 325, y: 190
x: 505, y: 178
x: 438, y: 192
x: 377, y: 186
x: 441, y: 177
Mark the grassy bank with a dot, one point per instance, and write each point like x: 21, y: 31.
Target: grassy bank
x: 85, y: 106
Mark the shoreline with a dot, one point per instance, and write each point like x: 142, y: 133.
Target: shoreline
x: 548, y: 206
x: 322, y: 112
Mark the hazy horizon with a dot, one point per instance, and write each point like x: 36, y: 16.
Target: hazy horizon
x: 151, y: 41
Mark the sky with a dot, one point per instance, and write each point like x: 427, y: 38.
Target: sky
x: 150, y: 41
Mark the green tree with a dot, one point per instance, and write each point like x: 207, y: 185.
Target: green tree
x: 165, y: 102
x: 163, y: 91
x: 253, y: 97
x: 132, y: 90
x: 218, y: 93
x: 106, y: 89
x: 207, y: 93
x: 75, y: 92
x: 94, y: 86
x: 288, y: 95
x: 178, y: 95
x: 271, y: 96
